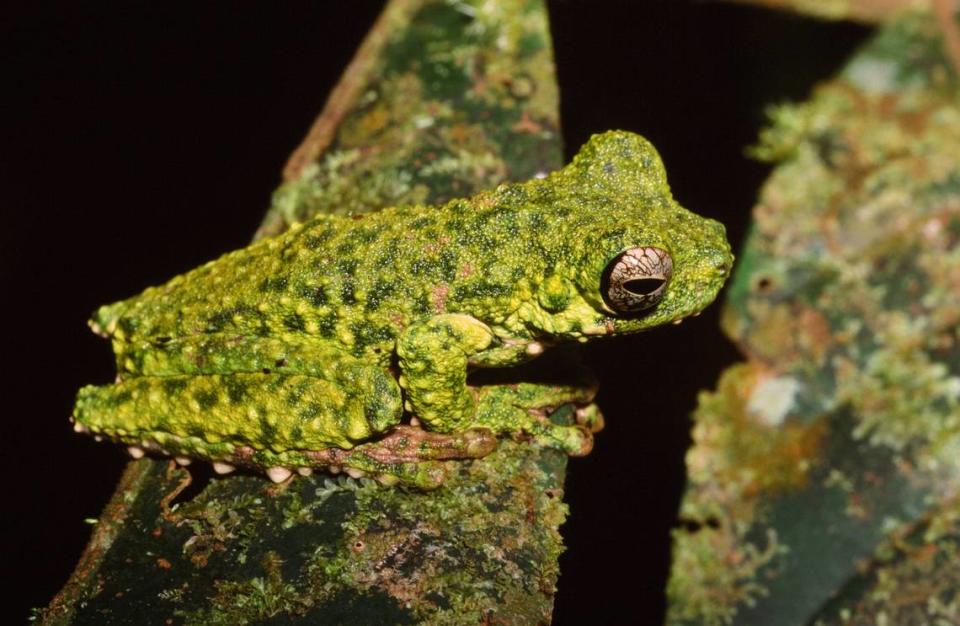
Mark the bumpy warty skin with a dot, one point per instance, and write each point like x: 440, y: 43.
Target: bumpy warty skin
x: 288, y: 344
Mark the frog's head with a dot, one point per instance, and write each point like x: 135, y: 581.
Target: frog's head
x: 642, y: 259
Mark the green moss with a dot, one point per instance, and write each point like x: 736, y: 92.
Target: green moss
x: 415, y: 556
x: 844, y: 424
x: 448, y: 103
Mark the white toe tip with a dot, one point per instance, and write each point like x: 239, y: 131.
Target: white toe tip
x: 355, y: 473
x: 304, y: 471
x: 135, y: 452
x: 278, y: 474
x: 183, y: 460
x: 387, y: 479
x: 222, y: 468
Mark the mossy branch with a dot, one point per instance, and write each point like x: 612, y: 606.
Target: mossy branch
x: 328, y: 549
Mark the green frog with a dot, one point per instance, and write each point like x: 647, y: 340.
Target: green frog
x: 346, y: 342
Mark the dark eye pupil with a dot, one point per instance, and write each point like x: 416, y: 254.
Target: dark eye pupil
x: 643, y: 286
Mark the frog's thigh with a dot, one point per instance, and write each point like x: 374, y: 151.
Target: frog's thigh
x: 209, y: 415
x: 523, y: 407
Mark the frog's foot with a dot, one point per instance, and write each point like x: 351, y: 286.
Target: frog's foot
x: 532, y: 409
x: 406, y: 455
x: 410, y: 455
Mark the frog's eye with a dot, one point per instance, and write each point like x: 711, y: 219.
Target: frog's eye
x: 636, y: 279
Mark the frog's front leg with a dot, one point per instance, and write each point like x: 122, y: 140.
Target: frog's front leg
x: 434, y: 357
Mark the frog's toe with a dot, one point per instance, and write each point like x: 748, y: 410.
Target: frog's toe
x: 479, y: 442
x: 590, y: 417
x: 388, y: 480
x: 279, y: 474
x: 223, y: 468
x: 575, y: 440
x: 422, y: 474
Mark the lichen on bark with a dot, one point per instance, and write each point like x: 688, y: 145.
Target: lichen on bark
x: 841, y: 431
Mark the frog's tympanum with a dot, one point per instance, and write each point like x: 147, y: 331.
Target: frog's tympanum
x: 346, y: 342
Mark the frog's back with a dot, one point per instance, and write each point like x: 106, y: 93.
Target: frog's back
x: 283, y: 284
x: 354, y: 281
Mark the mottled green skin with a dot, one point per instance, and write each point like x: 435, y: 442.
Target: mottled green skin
x: 287, y: 345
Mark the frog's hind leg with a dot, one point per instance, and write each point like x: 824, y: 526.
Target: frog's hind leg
x: 215, y: 417
x: 278, y: 423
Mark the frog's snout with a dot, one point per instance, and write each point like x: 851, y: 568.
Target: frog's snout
x: 720, y: 257
x: 722, y: 263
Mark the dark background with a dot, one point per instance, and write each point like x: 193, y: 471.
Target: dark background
x: 141, y: 139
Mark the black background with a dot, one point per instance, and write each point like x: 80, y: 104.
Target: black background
x: 141, y: 139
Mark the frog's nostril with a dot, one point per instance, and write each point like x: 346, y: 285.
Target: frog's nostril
x: 722, y: 263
